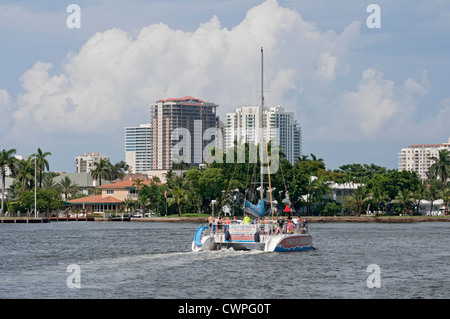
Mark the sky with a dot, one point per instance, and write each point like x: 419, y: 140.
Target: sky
x: 359, y: 92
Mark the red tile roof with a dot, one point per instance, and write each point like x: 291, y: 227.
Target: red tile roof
x: 127, y: 183
x: 95, y: 199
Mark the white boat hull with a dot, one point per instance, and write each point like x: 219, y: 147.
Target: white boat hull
x: 268, y: 243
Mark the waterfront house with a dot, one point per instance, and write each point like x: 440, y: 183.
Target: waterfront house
x: 111, y: 199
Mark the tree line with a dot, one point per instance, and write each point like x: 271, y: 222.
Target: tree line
x: 35, y: 171
x: 305, y: 185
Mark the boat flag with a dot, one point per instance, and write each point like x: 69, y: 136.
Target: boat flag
x: 286, y: 209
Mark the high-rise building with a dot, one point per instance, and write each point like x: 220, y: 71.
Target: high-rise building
x: 417, y: 158
x: 242, y: 126
x: 85, y: 163
x: 139, y: 148
x: 189, y: 113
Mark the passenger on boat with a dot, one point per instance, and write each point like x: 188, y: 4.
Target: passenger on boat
x: 280, y: 225
x: 247, y: 220
x: 275, y: 227
x: 227, y: 223
x: 234, y: 221
x: 210, y: 223
x: 219, y: 225
x: 304, y: 228
x: 290, y: 228
x: 266, y: 226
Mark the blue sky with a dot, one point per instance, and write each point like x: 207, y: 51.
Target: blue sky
x: 360, y: 94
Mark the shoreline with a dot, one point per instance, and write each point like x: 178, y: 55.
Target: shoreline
x: 318, y: 219
x: 204, y: 220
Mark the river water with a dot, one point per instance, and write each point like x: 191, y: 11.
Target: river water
x: 154, y: 260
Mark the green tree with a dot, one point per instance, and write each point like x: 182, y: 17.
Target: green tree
x: 405, y: 198
x: 7, y: 160
x: 48, y: 181
x: 119, y: 170
x: 361, y: 173
x: 360, y: 197
x: 331, y: 208
x: 24, y: 177
x: 446, y: 198
x: 393, y: 181
x: 380, y: 198
x: 41, y: 163
x: 440, y: 169
x: 128, y: 204
x: 102, y: 169
x: 145, y: 197
x: 419, y: 195
x: 178, y: 197
x: 46, y: 200
x: 66, y: 187
x: 432, y: 194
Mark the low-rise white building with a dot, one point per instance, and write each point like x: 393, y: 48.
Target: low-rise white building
x: 85, y: 163
x: 417, y: 158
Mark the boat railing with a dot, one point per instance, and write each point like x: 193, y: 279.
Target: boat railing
x: 264, y: 229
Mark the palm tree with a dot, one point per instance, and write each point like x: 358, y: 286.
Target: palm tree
x: 441, y: 167
x: 179, y: 196
x: 7, y: 160
x: 432, y: 194
x: 25, y: 174
x: 404, y: 198
x: 314, y: 158
x: 66, y: 187
x: 119, y: 170
x: 380, y: 198
x: 41, y: 163
x: 446, y: 198
x: 102, y: 169
x: 138, y: 183
x: 128, y: 204
x: 419, y: 194
x: 361, y: 196
x: 169, y: 175
x: 322, y: 190
x: 48, y: 182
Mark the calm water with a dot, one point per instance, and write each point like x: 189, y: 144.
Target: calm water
x: 154, y: 260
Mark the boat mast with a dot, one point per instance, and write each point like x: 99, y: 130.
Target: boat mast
x: 262, y: 138
x: 261, y: 116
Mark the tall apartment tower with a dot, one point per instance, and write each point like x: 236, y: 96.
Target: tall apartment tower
x: 417, y: 158
x: 139, y: 148
x: 188, y: 113
x: 85, y: 163
x: 242, y: 126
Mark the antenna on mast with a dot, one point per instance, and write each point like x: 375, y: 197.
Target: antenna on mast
x: 261, y: 117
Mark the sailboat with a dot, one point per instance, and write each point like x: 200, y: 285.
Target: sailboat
x: 268, y: 235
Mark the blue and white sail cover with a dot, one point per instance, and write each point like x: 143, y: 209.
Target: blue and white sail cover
x: 258, y: 209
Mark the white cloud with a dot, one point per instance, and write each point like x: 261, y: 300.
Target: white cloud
x: 377, y: 109
x: 5, y: 110
x: 115, y: 76
x: 110, y: 82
